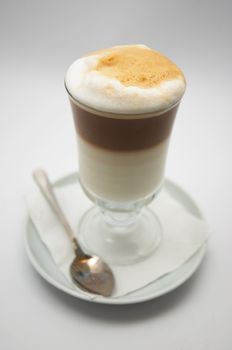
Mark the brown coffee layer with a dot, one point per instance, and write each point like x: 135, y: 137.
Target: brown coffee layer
x: 123, y: 134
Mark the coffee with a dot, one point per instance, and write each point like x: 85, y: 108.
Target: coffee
x: 124, y: 102
x: 122, y: 134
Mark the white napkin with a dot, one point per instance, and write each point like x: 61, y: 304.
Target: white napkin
x: 183, y: 235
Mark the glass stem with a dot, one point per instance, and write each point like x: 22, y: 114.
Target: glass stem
x: 120, y: 220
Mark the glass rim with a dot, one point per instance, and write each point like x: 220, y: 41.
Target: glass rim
x: 118, y: 115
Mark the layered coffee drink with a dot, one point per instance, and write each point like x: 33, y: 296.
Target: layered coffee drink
x: 124, y: 101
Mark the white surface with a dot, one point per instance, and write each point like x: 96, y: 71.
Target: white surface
x: 39, y: 39
x: 178, y: 256
x: 96, y: 90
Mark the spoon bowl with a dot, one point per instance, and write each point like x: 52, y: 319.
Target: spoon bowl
x: 93, y: 274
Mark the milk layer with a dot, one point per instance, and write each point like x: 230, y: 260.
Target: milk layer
x: 121, y: 176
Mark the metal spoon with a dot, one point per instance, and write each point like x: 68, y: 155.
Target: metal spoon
x: 88, y: 271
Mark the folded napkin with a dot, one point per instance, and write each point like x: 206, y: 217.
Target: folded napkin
x: 183, y: 235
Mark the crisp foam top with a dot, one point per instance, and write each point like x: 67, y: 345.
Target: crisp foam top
x: 129, y: 79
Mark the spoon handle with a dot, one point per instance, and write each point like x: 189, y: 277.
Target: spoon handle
x: 46, y: 189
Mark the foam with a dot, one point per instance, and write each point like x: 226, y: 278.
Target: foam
x: 130, y: 79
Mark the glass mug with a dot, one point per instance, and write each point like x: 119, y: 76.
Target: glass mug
x: 121, y: 169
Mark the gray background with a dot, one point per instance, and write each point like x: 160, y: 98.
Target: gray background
x: 39, y: 39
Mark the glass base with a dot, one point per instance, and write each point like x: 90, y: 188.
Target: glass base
x: 120, y: 245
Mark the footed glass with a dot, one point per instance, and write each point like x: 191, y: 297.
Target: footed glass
x: 121, y: 167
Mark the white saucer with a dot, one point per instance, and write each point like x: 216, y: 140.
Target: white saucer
x: 43, y: 263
